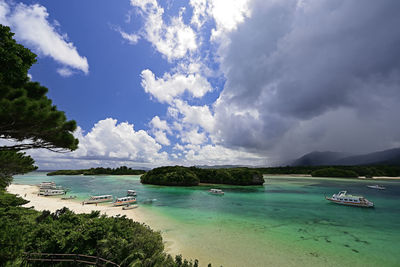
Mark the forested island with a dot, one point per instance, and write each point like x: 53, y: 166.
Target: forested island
x: 336, y: 171
x: 123, y: 170
x: 192, y: 176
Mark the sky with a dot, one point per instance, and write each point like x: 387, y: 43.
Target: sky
x: 213, y: 82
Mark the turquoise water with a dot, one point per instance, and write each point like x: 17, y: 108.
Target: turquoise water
x: 286, y: 222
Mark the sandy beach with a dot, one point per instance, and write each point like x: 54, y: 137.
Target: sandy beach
x: 53, y: 203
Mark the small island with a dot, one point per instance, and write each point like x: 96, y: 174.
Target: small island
x: 123, y: 170
x: 192, y: 176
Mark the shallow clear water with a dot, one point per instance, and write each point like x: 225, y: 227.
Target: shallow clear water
x: 286, y: 222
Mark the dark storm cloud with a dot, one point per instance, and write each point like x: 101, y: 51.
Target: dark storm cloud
x: 327, y: 64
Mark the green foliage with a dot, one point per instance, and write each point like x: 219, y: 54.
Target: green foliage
x: 184, y: 176
x: 12, y: 163
x: 170, y: 175
x: 9, y: 200
x: 123, y: 170
x: 365, y: 170
x: 232, y: 176
x: 334, y: 172
x: 26, y: 114
x: 118, y: 239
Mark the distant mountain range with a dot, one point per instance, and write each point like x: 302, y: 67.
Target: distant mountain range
x: 390, y: 157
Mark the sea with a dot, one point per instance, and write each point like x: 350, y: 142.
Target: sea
x: 285, y: 222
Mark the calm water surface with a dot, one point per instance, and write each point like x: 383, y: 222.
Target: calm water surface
x: 286, y: 222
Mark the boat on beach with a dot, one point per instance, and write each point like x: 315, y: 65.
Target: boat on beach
x: 379, y: 187
x: 131, y: 193
x: 129, y: 207
x: 98, y: 199
x: 51, y: 192
x: 216, y: 191
x: 124, y: 201
x: 67, y: 198
x: 350, y: 200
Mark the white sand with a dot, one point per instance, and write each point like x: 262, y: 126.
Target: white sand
x: 54, y: 203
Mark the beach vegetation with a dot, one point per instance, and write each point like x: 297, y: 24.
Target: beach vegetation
x: 118, y: 239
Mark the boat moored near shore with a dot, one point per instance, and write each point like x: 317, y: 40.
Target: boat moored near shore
x: 124, y: 201
x: 344, y: 199
x: 47, y: 185
x: 129, y: 207
x: 51, y: 192
x: 98, y: 199
x: 131, y: 193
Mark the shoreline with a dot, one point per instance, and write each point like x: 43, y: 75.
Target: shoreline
x: 53, y: 203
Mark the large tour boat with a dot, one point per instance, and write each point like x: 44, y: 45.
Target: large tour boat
x: 47, y: 185
x: 51, y: 192
x: 344, y: 199
x: 99, y: 199
x: 124, y: 201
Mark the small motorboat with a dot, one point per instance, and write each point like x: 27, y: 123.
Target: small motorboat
x: 129, y: 207
x: 131, y: 193
x: 216, y: 191
x: 149, y: 201
x: 379, y: 187
x: 67, y: 198
x: 344, y: 199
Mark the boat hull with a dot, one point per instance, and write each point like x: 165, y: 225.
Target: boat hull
x: 130, y: 207
x: 346, y: 203
x: 122, y: 203
x: 97, y: 201
x: 52, y: 194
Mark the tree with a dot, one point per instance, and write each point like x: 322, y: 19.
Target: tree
x: 26, y: 114
x: 11, y: 163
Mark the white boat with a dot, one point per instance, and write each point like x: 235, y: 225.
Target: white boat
x: 379, y: 187
x: 344, y: 199
x: 124, y: 201
x: 99, y: 199
x: 216, y: 191
x: 47, y: 185
x: 129, y: 207
x: 51, y: 192
x: 131, y: 193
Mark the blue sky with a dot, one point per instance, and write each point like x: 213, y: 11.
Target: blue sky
x: 214, y: 82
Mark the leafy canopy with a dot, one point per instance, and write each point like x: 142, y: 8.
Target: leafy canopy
x: 12, y: 163
x: 26, y: 114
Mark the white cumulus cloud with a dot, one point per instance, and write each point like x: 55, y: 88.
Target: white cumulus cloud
x: 31, y: 27
x: 168, y: 87
x: 173, y: 40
